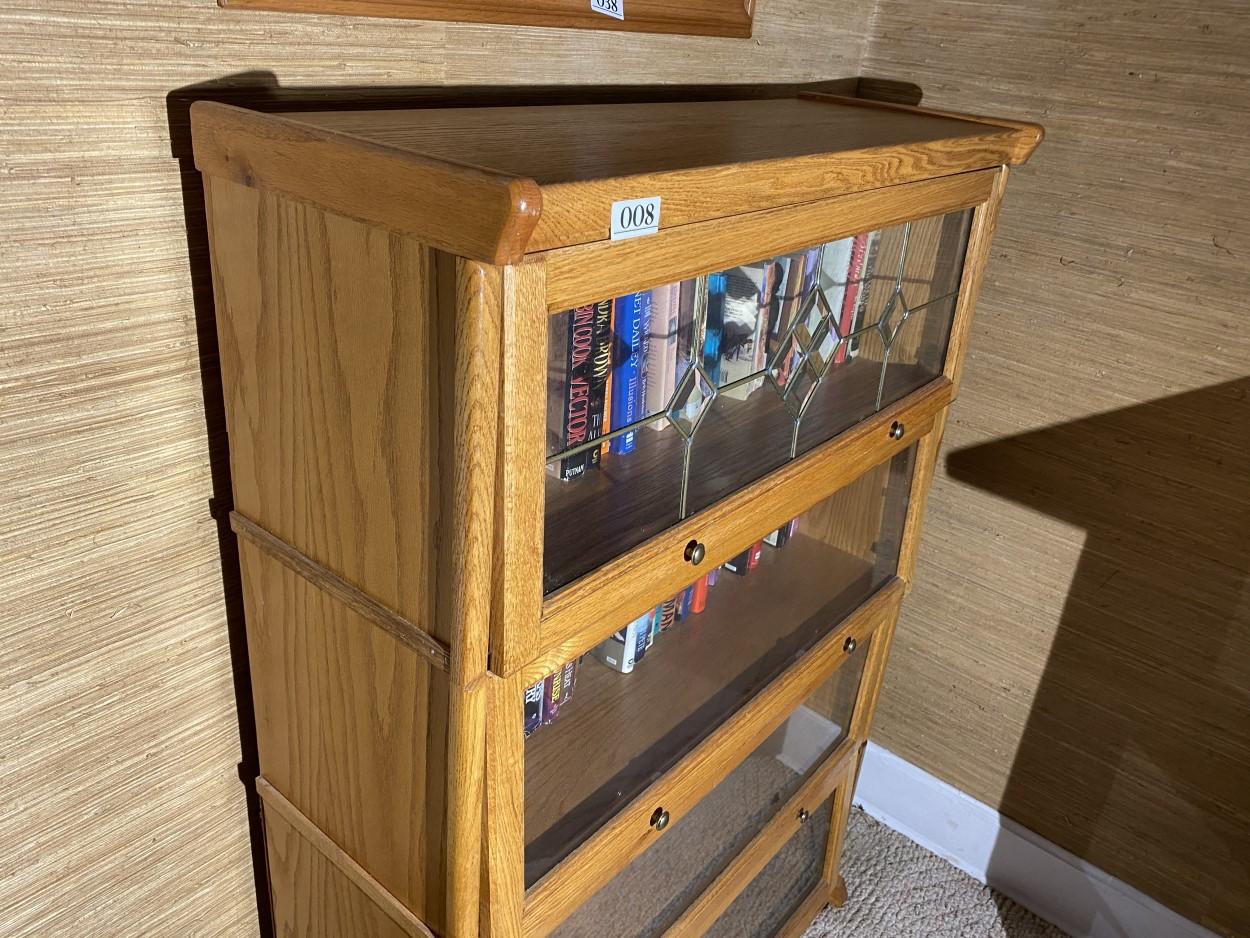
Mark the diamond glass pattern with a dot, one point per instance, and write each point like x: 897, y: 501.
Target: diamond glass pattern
x: 802, y: 386
x: 691, y: 400
x: 815, y: 311
x: 824, y: 348
x: 784, y: 361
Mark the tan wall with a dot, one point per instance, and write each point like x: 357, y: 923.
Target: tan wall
x: 1077, y: 647
x: 122, y: 813
x: 1053, y: 563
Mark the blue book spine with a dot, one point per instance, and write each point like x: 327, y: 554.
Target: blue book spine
x: 642, y: 635
x: 714, y: 326
x: 627, y: 376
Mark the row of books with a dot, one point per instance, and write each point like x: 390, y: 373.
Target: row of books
x: 625, y: 649
x: 618, y: 361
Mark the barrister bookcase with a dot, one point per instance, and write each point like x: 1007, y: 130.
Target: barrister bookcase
x: 579, y: 456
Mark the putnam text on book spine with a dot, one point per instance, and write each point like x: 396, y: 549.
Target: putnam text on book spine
x: 577, y: 390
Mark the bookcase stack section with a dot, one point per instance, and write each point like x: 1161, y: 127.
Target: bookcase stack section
x: 572, y: 562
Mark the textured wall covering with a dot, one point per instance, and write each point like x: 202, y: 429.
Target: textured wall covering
x: 122, y: 812
x: 1077, y: 647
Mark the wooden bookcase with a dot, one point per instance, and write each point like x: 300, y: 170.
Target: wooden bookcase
x: 396, y: 296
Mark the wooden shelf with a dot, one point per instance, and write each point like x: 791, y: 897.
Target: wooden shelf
x: 632, y: 498
x: 622, y: 731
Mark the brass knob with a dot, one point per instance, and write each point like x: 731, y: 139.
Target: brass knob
x: 695, y: 552
x: 850, y: 645
x: 659, y: 819
x: 803, y: 815
x: 896, y: 430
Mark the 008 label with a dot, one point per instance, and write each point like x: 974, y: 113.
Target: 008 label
x: 612, y: 8
x: 634, y: 218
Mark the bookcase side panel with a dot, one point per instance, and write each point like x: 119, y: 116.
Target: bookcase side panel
x: 352, y: 729
x: 329, y: 363
x: 312, y: 898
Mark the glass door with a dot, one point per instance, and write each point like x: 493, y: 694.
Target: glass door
x: 661, y: 402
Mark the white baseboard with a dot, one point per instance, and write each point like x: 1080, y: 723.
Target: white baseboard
x: 1061, y: 888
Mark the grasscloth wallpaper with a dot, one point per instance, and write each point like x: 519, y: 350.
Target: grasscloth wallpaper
x: 122, y: 812
x: 1076, y: 649
x: 1077, y: 646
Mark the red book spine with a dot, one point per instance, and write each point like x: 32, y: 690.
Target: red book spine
x: 753, y: 558
x: 699, y: 601
x: 850, y: 299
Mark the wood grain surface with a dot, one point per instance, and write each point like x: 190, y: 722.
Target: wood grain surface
x: 629, y: 832
x: 692, y: 17
x: 1076, y: 647
x: 118, y: 694
x: 297, y: 848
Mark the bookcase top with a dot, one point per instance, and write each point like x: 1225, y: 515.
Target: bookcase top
x: 495, y: 183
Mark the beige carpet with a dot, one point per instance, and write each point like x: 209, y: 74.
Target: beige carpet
x: 900, y: 890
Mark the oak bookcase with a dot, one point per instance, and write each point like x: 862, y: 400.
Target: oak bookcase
x: 397, y: 292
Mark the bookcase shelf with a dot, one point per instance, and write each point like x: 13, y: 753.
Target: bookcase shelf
x: 461, y: 730
x: 698, y: 676
x: 636, y: 498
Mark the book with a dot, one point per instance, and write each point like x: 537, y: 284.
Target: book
x: 662, y: 350
x: 557, y: 691
x: 713, y: 326
x: 668, y: 614
x: 850, y: 290
x: 779, y: 537
x: 790, y: 301
x: 698, y: 599
x: 738, y: 564
x: 534, y: 707
x: 754, y: 554
x: 743, y: 337
x: 630, y: 320
x: 865, y: 288
x: 835, y: 266
x: 683, y: 603
x: 620, y: 651
x: 600, y: 376
x: 689, y: 310
x: 576, y: 405
x: 642, y: 636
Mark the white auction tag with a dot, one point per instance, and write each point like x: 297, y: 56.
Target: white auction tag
x: 633, y: 218
x: 612, y: 8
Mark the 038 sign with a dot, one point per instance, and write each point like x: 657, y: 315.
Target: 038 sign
x: 633, y: 218
x: 612, y: 8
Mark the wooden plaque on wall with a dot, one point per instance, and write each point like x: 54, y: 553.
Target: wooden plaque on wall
x: 689, y: 17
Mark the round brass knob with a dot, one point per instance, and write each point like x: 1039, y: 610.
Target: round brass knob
x: 695, y: 552
x: 659, y: 819
x: 896, y: 430
x: 850, y: 645
x: 803, y: 815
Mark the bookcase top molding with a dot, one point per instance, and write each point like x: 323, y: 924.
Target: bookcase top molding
x: 726, y: 18
x: 495, y: 183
